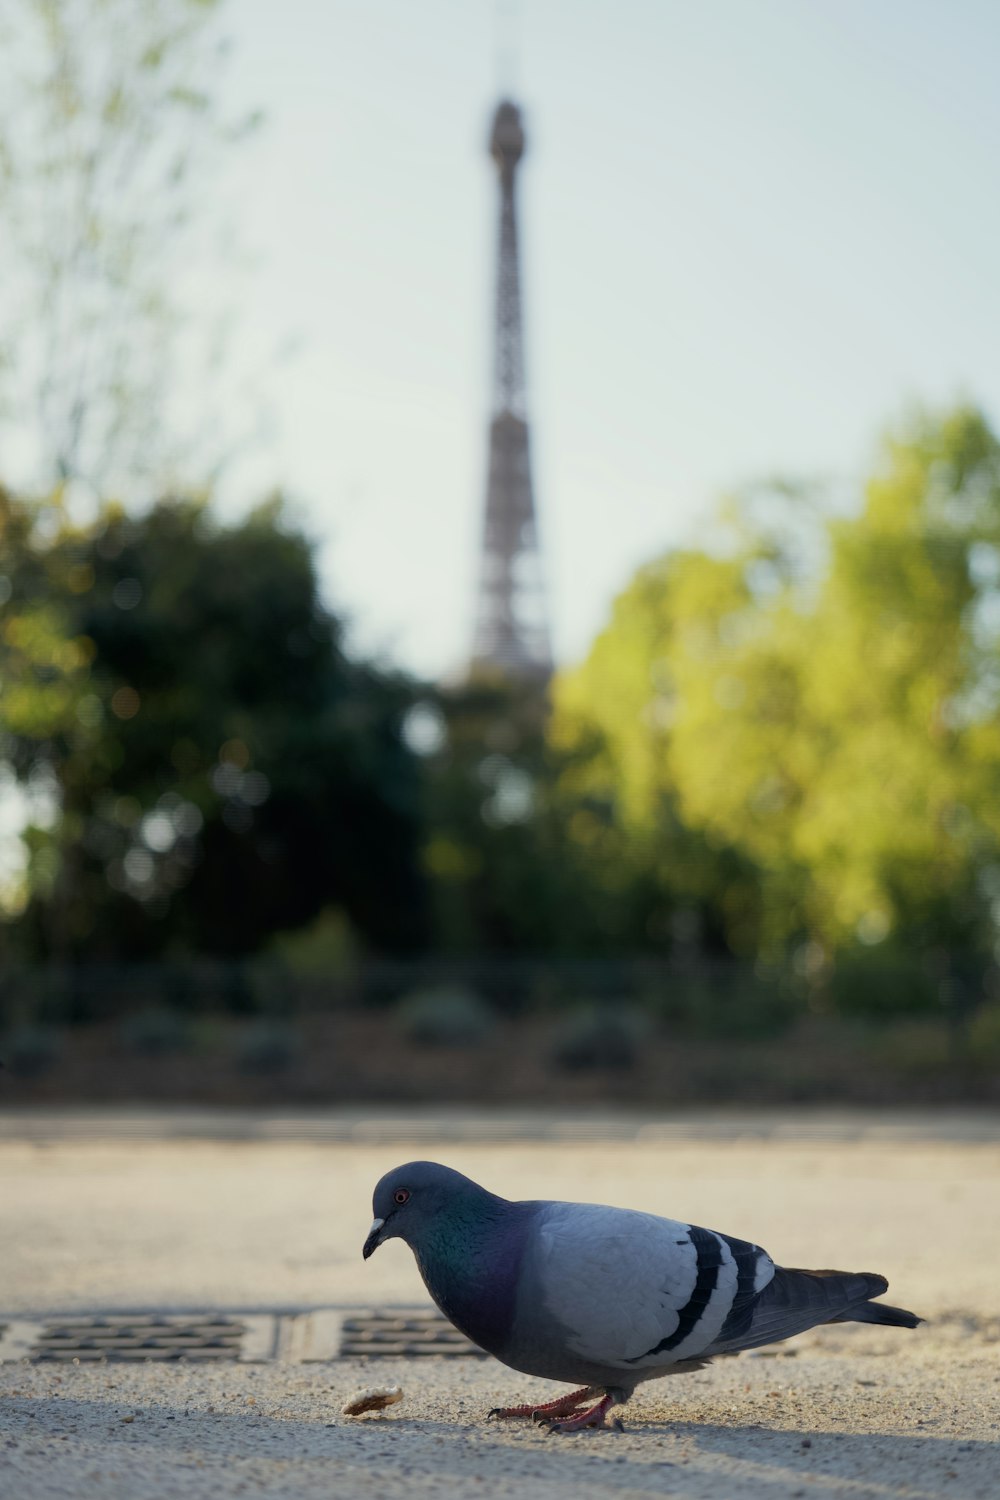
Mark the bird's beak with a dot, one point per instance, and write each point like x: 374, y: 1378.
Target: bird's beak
x: 372, y: 1242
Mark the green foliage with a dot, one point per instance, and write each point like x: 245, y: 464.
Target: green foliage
x: 500, y: 867
x: 796, y: 735
x: 327, y: 946
x: 731, y: 1003
x: 901, y: 695
x: 600, y: 1037
x: 882, y: 982
x: 920, y: 1050
x: 215, y: 768
x: 785, y: 750
x: 154, y: 1031
x: 982, y: 1042
x: 446, y: 1017
x: 266, y: 1047
x: 29, y: 1051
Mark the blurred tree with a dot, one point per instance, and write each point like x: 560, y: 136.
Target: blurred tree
x: 799, y: 732
x: 644, y: 698
x: 218, y: 768
x: 44, y: 679
x: 900, y: 829
x: 790, y: 743
x: 495, y: 850
x: 108, y: 129
x: 739, y: 752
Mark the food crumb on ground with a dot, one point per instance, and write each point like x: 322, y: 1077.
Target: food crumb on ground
x: 376, y: 1398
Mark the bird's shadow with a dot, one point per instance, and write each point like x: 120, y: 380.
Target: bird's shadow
x: 648, y: 1457
x: 780, y: 1460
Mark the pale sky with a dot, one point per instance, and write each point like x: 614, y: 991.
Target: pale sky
x: 753, y: 231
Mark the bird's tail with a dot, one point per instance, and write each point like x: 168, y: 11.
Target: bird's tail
x: 879, y: 1312
x: 796, y: 1300
x: 844, y: 1285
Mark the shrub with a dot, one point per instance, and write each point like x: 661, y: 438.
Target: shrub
x: 444, y: 1018
x: 267, y: 1047
x: 599, y: 1037
x: 730, y: 1005
x: 154, y: 1031
x: 877, y: 983
x: 983, y: 1038
x: 912, y: 1048
x: 30, y: 1050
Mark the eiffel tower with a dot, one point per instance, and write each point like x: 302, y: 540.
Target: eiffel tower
x: 511, y: 634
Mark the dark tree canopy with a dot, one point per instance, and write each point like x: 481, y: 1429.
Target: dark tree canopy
x: 220, y: 768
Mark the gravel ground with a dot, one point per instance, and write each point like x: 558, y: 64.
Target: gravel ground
x: 92, y: 1224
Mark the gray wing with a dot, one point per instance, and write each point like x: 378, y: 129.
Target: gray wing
x: 635, y: 1291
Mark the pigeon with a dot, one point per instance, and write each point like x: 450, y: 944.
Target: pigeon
x: 603, y: 1298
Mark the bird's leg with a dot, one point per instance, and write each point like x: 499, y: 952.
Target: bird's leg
x: 594, y: 1416
x: 557, y: 1408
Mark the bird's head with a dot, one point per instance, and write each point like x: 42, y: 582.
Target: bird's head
x: 409, y: 1197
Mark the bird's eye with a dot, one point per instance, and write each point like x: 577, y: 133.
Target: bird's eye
x: 401, y: 1195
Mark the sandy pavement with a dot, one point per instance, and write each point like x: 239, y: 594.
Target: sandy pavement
x: 95, y: 1224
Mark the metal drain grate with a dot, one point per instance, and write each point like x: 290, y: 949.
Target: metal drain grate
x: 409, y: 1333
x: 146, y: 1336
x: 249, y: 1337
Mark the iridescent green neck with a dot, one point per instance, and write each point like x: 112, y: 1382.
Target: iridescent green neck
x: 469, y: 1259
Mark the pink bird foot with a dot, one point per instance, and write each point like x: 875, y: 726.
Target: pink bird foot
x: 594, y: 1416
x: 560, y: 1407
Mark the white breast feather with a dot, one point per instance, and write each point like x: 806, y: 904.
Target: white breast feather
x: 614, y: 1278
